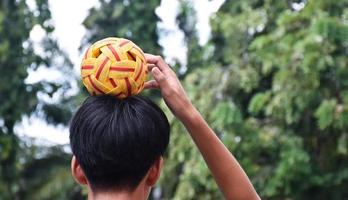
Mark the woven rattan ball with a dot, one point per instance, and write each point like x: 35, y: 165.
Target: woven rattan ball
x: 114, y: 66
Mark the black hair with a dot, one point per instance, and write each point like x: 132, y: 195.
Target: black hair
x: 116, y: 141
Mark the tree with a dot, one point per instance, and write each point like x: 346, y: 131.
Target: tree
x: 274, y: 91
x: 187, y: 19
x: 47, y: 176
x: 133, y: 19
x: 18, y: 98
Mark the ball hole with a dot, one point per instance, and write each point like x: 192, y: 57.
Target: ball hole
x: 131, y: 56
x: 96, y: 53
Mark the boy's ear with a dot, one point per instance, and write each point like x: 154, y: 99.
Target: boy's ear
x: 77, y: 172
x: 154, y: 172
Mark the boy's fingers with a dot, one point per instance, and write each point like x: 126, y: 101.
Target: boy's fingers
x: 150, y: 66
x: 156, y: 60
x: 158, y: 76
x: 151, y: 84
x: 151, y: 58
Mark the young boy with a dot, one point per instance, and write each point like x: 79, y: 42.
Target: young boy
x: 118, y: 144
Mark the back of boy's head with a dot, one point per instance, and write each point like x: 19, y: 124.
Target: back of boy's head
x: 116, y: 141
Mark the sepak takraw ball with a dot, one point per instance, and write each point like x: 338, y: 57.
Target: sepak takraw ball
x: 114, y: 66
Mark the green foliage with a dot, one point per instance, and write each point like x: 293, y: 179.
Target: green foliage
x: 272, y: 82
x: 186, y: 20
x: 275, y: 91
x: 225, y: 114
x: 325, y: 113
x: 17, y: 97
x: 48, y: 176
x: 133, y: 19
x: 258, y: 101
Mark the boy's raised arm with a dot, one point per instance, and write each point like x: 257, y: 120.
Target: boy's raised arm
x: 228, y: 174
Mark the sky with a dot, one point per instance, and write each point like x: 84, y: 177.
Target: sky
x: 68, y: 16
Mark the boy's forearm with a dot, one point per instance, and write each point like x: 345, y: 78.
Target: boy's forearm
x: 227, y: 172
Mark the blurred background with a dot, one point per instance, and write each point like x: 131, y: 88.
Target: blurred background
x: 270, y: 77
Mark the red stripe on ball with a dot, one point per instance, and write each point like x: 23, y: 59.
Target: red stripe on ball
x: 101, y: 68
x: 94, y: 86
x: 114, y: 52
x: 121, y: 69
x: 129, y: 87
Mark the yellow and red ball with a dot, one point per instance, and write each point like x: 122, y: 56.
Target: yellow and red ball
x: 114, y: 66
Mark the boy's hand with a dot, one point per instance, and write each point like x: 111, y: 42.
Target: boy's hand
x: 172, y: 91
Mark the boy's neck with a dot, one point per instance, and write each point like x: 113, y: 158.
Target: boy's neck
x: 138, y: 194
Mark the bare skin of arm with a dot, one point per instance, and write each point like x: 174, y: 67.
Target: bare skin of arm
x: 228, y: 174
